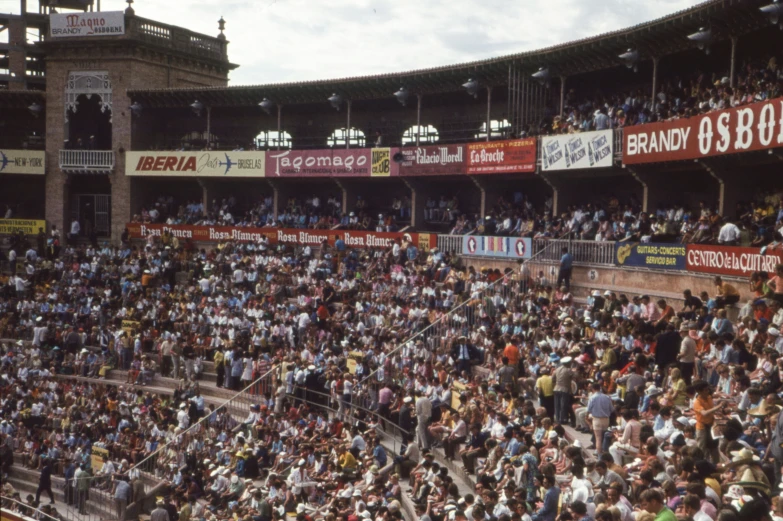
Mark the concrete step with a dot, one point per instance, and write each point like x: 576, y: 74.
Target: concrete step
x: 25, y: 481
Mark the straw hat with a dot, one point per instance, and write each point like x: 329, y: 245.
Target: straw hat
x: 748, y: 480
x: 764, y: 409
x: 743, y: 456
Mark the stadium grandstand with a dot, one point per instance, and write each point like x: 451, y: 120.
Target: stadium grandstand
x: 546, y: 286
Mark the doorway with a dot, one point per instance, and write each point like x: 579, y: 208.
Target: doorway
x: 93, y: 211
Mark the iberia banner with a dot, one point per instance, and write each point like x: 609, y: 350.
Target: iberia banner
x: 758, y: 126
x: 495, y: 157
x: 22, y: 161
x: 730, y: 260
x: 26, y: 226
x: 302, y: 237
x: 198, y: 164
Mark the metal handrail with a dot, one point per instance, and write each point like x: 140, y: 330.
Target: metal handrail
x: 40, y: 515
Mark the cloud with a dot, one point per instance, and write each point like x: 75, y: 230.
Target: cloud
x: 295, y: 40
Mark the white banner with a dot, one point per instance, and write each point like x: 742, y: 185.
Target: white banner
x: 79, y: 25
x: 575, y: 151
x: 196, y: 164
x: 22, y: 161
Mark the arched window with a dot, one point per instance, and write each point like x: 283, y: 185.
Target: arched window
x: 427, y: 134
x: 499, y: 130
x: 273, y: 139
x: 338, y: 137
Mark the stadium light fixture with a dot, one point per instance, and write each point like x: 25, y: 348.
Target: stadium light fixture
x: 336, y: 100
x: 631, y: 59
x: 266, y: 105
x: 703, y: 39
x: 402, y: 96
x: 542, y: 76
x: 774, y: 11
x: 197, y: 107
x: 136, y: 108
x: 472, y: 87
x: 35, y: 109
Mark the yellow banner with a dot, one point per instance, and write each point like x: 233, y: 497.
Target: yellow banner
x: 354, y: 357
x: 457, y: 388
x: 26, y: 226
x: 198, y: 164
x: 131, y: 327
x: 96, y: 458
x: 381, y: 162
x: 22, y: 162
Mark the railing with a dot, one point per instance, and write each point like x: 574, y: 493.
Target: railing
x: 9, y: 504
x: 450, y: 243
x: 177, y: 38
x: 583, y: 252
x: 75, y: 161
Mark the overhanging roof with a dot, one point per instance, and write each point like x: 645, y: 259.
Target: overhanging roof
x: 659, y: 37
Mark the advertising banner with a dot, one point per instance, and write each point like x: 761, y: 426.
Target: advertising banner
x: 352, y: 238
x: 352, y: 162
x: 96, y: 457
x: 495, y: 157
x: 381, y: 162
x: 751, y: 127
x: 430, y: 160
x: 652, y: 255
x: 70, y: 25
x: 575, y: 151
x: 198, y: 164
x: 22, y: 162
x: 504, y: 247
x: 26, y: 226
x: 730, y: 260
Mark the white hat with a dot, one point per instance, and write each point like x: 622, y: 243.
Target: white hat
x: 234, y: 478
x: 39, y: 319
x: 577, y: 444
x: 357, y: 492
x: 182, y: 405
x: 566, y: 360
x: 552, y: 435
x: 607, y: 293
x: 311, y: 367
x: 596, y: 293
x: 85, y: 351
x: 300, y: 463
x: 407, y: 399
x: 300, y: 508
x: 773, y: 331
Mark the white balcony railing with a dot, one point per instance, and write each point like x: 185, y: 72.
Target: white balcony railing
x: 95, y: 161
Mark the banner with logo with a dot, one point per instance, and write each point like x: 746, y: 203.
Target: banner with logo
x: 495, y: 157
x: 381, y: 162
x: 429, y: 160
x: 26, y: 226
x: 504, y: 247
x: 352, y: 238
x: 22, y: 161
x: 650, y: 255
x: 751, y: 127
x: 103, y: 23
x: 198, y: 164
x: 730, y: 260
x: 96, y: 457
x: 329, y: 162
x: 575, y: 151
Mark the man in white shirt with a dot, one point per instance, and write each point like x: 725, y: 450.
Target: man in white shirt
x: 183, y: 420
x: 729, y: 234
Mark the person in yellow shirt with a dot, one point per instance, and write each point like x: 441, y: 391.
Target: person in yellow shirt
x: 726, y: 293
x: 346, y: 461
x: 546, y: 392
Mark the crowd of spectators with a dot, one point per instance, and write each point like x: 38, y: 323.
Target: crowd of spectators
x: 676, y: 98
x: 680, y: 400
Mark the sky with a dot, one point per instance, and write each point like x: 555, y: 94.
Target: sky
x: 277, y: 41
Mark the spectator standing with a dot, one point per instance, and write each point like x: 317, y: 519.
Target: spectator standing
x: 566, y: 267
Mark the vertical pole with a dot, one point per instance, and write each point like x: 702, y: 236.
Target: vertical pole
x: 489, y: 108
x: 654, y: 81
x: 510, y: 97
x: 418, y: 118
x: 348, y: 126
x: 562, y: 95
x: 733, y: 59
x: 209, y: 126
x: 279, y: 124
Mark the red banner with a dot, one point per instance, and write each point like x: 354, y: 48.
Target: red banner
x: 431, y: 160
x: 352, y: 162
x: 352, y: 238
x: 494, y: 157
x: 742, y: 129
x: 730, y: 260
